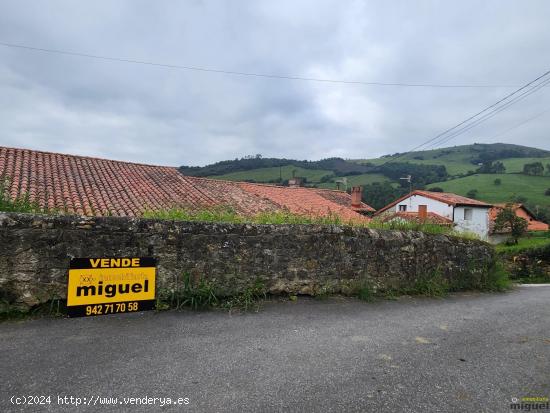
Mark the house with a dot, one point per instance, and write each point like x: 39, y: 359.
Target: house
x: 465, y: 214
x: 99, y: 187
x: 521, y: 211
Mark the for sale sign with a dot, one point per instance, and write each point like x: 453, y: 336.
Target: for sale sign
x: 99, y: 286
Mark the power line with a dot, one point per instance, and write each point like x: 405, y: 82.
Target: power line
x: 249, y: 74
x: 493, y: 113
x: 493, y: 108
x: 538, y: 115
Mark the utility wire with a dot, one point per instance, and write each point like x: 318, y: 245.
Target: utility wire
x: 489, y: 115
x: 504, y: 132
x: 249, y: 74
x: 531, y: 84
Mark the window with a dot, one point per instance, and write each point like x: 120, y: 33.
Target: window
x: 402, y: 208
x: 468, y: 214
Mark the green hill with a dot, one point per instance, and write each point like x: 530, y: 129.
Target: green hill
x: 273, y: 174
x: 512, y: 185
x: 453, y: 169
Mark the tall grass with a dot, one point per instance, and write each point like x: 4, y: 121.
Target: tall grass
x: 227, y: 214
x: 19, y: 204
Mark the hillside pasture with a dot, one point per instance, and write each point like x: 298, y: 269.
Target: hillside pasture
x: 530, y: 187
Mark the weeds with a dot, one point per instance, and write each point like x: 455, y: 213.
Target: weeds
x: 227, y: 214
x: 19, y: 204
x: 248, y: 299
x: 366, y: 292
x: 202, y: 295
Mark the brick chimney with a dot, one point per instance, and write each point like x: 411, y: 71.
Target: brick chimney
x: 423, y: 212
x: 356, y: 196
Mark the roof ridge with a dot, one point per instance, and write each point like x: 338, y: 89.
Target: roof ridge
x: 86, y: 157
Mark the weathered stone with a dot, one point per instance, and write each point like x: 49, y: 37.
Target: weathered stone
x: 35, y: 251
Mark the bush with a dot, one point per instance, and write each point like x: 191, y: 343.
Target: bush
x: 19, y: 204
x: 472, y: 193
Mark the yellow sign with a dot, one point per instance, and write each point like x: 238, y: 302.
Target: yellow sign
x: 100, y: 286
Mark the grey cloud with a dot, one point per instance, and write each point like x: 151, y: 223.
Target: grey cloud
x: 167, y: 116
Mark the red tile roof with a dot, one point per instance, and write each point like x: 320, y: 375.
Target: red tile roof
x: 432, y: 217
x: 446, y: 197
x: 521, y: 211
x: 93, y: 186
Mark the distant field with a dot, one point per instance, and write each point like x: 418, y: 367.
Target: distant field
x: 531, y: 187
x: 267, y: 174
x: 355, y: 180
x: 456, y: 162
x: 514, y: 165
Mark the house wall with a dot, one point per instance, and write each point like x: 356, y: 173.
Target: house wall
x: 438, y: 207
x: 480, y: 215
x: 35, y: 251
x: 479, y: 224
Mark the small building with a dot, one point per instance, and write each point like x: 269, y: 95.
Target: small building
x: 465, y: 214
x: 521, y: 211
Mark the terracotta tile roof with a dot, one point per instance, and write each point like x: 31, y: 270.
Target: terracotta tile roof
x: 432, y: 217
x: 446, y: 197
x: 521, y: 211
x: 93, y: 186
x: 307, y: 201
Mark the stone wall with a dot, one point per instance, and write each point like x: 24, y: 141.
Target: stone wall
x: 35, y: 251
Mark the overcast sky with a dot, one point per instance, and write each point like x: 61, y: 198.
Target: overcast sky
x: 166, y: 116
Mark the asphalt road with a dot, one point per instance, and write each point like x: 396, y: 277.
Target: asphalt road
x: 465, y: 353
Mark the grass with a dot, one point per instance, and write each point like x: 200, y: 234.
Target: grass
x: 224, y: 214
x: 272, y: 174
x: 200, y: 294
x: 530, y: 187
x: 355, y: 180
x: 515, y: 165
x: 531, y: 241
x: 53, y: 308
x: 433, y: 284
x: 19, y: 204
x: 401, y: 225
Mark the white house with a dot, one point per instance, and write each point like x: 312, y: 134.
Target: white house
x: 466, y: 214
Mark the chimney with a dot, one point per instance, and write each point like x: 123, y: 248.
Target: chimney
x: 356, y: 195
x: 423, y: 212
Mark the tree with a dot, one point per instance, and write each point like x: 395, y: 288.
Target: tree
x: 491, y: 167
x: 497, y: 181
x: 547, y: 192
x: 535, y: 168
x: 518, y: 199
x: 508, y: 220
x: 472, y: 193
x: 548, y: 169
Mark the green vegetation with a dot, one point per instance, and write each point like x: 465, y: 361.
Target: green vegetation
x: 401, y: 225
x: 229, y: 215
x: 532, y: 241
x: 507, y: 219
x: 200, y: 294
x: 20, y: 204
x: 434, y: 284
x: 271, y: 175
x: 354, y: 180
x: 55, y: 307
x: 530, y: 187
x: 453, y: 169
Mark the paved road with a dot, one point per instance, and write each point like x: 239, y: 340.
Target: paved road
x: 468, y: 352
